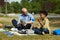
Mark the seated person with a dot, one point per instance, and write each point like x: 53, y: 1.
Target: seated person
x: 25, y: 20
x: 44, y: 22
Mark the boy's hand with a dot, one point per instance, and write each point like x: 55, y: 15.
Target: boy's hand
x: 39, y: 20
x: 34, y: 26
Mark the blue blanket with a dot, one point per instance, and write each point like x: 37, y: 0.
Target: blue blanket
x: 56, y: 32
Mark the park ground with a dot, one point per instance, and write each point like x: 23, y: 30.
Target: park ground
x: 54, y: 24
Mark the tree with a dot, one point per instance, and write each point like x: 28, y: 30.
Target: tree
x: 26, y: 4
x: 35, y: 6
x: 16, y: 7
x: 52, y: 6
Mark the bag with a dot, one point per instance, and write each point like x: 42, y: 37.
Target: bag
x: 56, y: 32
x: 29, y: 31
x: 14, y: 29
x: 23, y: 31
x: 8, y: 26
x: 26, y: 31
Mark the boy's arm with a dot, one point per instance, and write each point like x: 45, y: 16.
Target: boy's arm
x: 41, y: 23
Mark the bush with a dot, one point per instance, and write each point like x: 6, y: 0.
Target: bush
x: 57, y: 11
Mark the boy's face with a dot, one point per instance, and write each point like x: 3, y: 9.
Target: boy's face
x: 42, y: 15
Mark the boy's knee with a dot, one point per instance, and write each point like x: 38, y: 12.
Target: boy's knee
x: 46, y: 31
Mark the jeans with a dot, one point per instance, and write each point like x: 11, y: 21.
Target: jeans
x: 39, y: 31
x: 14, y: 22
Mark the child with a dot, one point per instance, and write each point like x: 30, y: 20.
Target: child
x: 44, y: 22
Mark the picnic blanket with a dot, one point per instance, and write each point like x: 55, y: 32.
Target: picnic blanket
x: 23, y: 32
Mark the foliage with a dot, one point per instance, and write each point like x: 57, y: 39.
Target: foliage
x: 52, y: 6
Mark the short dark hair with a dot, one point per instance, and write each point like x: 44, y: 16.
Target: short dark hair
x: 43, y: 12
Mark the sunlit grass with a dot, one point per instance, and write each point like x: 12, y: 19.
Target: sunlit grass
x: 7, y: 20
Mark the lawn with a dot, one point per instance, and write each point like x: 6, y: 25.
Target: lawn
x: 54, y: 24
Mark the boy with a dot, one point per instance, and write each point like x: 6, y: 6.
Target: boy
x: 44, y: 22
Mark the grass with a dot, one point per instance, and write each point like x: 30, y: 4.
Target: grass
x: 54, y: 23
x: 37, y: 37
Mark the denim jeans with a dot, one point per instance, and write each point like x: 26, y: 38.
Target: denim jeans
x: 14, y: 22
x: 40, y: 30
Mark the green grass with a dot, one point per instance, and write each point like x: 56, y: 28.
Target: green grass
x: 7, y: 20
x: 37, y: 37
